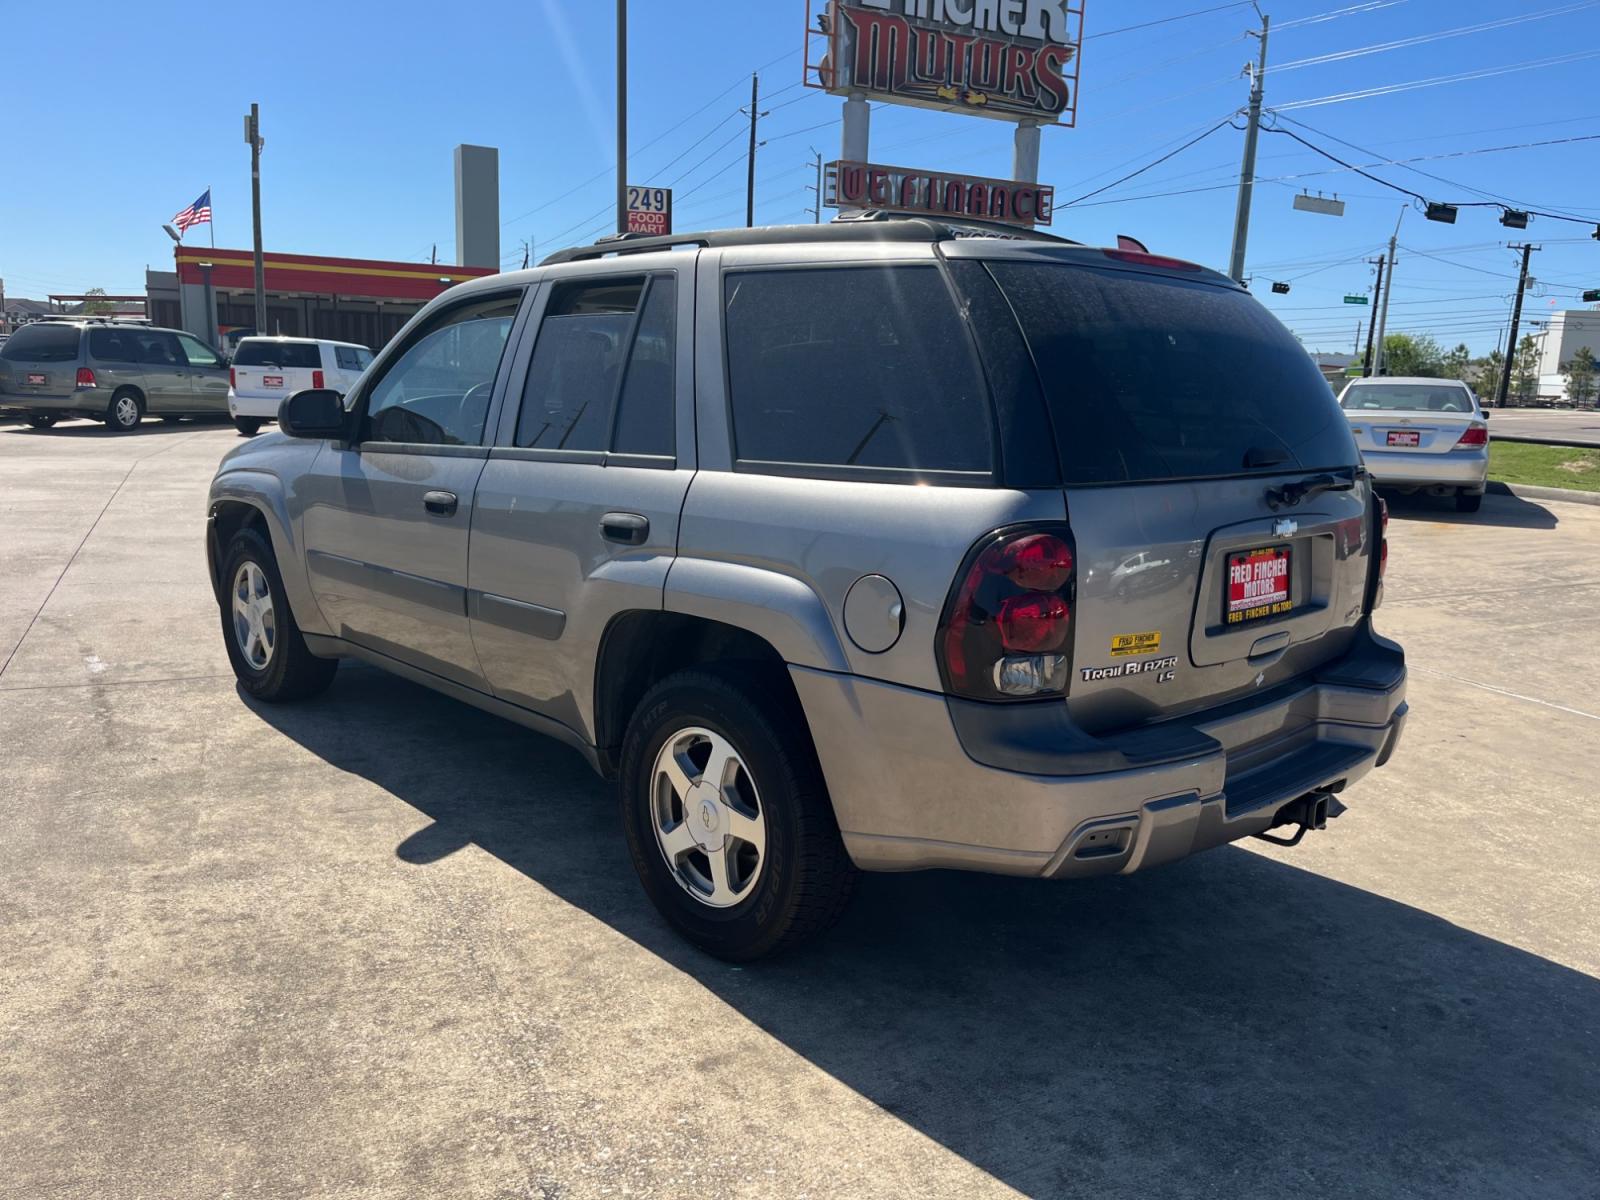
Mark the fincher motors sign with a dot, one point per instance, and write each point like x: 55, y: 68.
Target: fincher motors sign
x: 1008, y: 59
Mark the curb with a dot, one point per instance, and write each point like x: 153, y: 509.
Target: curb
x: 1526, y: 491
x: 1567, y: 443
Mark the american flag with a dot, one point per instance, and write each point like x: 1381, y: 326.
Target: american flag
x: 198, y: 213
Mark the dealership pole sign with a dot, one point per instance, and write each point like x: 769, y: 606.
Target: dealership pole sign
x: 1013, y: 60
x: 650, y: 211
x: 937, y: 193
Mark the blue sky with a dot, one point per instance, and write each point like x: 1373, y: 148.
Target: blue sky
x: 363, y: 102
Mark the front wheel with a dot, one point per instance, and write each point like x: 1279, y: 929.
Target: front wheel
x: 41, y: 420
x: 269, y: 656
x: 727, y: 817
x: 248, y: 426
x: 1468, y: 502
x: 124, y: 413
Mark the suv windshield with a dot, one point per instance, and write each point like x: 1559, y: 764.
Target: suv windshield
x: 1409, y: 397
x: 42, y: 343
x: 1153, y: 378
x: 268, y: 353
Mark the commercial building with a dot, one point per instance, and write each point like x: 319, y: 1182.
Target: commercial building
x: 211, y: 292
x: 1564, y: 334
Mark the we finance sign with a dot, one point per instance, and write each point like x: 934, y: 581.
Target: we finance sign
x: 1008, y: 59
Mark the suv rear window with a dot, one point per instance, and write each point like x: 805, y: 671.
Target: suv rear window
x: 1152, y: 378
x: 854, y: 367
x: 306, y: 355
x: 42, y: 343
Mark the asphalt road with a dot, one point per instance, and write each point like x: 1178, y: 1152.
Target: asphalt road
x: 1570, y: 426
x: 381, y: 945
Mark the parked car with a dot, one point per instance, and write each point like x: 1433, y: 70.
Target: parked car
x: 268, y: 370
x: 109, y: 371
x: 814, y: 540
x: 1421, y: 435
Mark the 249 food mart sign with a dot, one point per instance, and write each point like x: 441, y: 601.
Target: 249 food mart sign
x: 1008, y: 59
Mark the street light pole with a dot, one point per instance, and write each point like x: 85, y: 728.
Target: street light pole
x: 1247, y: 174
x: 1372, y: 327
x: 253, y: 136
x: 622, y: 116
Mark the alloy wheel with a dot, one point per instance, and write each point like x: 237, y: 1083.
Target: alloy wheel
x: 707, y: 817
x: 255, y: 628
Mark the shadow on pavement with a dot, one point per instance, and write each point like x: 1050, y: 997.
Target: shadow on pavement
x: 1226, y: 1027
x: 84, y: 429
x: 1506, y: 511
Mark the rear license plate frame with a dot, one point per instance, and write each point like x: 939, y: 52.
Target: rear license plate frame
x: 272, y: 381
x: 1403, y: 439
x: 38, y: 379
x: 1239, y: 606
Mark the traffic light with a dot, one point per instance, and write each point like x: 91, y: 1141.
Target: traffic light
x: 1592, y: 296
x: 1514, y: 219
x: 1280, y: 289
x: 1445, y: 213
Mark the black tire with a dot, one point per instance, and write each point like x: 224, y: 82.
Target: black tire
x: 1466, y: 502
x: 248, y: 426
x: 119, y: 417
x: 42, y: 420
x: 291, y: 671
x: 806, y: 877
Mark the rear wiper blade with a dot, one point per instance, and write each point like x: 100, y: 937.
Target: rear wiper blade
x: 1291, y: 494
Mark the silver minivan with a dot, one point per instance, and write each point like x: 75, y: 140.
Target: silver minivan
x: 110, y: 371
x: 882, y: 545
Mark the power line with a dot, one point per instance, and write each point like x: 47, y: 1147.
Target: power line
x: 1199, y: 12
x: 1149, y: 166
x: 1438, y: 80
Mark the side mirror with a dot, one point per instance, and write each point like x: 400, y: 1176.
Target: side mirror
x: 317, y: 413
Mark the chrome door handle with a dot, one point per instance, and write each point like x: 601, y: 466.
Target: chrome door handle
x: 440, y: 504
x: 628, y: 528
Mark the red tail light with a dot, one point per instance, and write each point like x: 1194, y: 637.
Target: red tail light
x: 1146, y: 259
x: 316, y: 380
x: 233, y: 378
x: 1007, y: 627
x: 85, y: 377
x: 1476, y: 435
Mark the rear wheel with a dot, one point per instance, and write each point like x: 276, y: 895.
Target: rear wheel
x: 41, y: 420
x: 248, y: 426
x: 264, y: 644
x: 124, y: 412
x: 1468, y: 502
x: 727, y: 818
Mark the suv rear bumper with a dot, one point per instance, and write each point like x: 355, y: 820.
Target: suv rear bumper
x: 909, y: 795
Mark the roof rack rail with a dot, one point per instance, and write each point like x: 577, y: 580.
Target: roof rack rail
x: 874, y: 225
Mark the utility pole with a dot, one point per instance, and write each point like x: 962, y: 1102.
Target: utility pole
x: 1382, y: 363
x: 1516, y: 321
x: 1372, y: 325
x: 750, y: 187
x: 1247, y: 174
x: 253, y: 136
x: 816, y: 209
x: 622, y: 116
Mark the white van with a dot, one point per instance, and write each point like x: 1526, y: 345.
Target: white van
x: 266, y: 370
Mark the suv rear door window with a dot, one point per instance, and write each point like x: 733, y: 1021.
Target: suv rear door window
x: 350, y: 358
x: 1153, y: 378
x: 44, y: 342
x: 577, y: 365
x: 854, y: 367
x: 305, y: 356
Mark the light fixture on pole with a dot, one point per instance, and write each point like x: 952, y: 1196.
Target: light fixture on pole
x: 173, y: 234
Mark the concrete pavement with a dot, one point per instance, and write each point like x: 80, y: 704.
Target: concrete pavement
x: 382, y: 945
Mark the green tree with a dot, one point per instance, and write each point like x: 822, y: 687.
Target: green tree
x: 1580, y: 374
x: 1486, y: 377
x: 1407, y: 354
x: 1525, y: 368
x: 1457, y: 362
x: 95, y: 304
